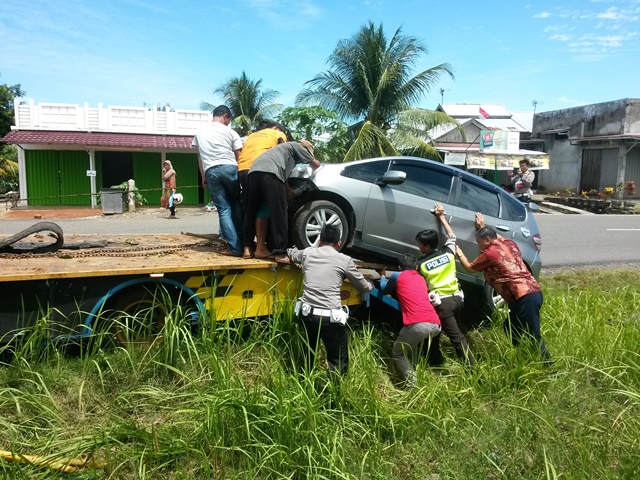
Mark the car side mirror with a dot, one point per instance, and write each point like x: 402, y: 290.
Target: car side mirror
x: 392, y: 177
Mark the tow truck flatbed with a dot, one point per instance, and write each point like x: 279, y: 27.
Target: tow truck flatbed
x: 122, y: 274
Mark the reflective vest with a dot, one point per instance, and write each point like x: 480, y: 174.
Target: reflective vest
x: 439, y: 270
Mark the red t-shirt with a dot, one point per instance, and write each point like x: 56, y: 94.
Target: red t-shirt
x: 505, y: 271
x: 414, y: 299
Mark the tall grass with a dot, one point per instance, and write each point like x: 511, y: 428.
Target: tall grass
x: 232, y: 400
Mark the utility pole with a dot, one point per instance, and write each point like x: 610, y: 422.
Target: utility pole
x: 442, y: 90
x: 535, y: 103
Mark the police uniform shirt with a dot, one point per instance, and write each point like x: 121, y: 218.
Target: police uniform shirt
x: 324, y: 271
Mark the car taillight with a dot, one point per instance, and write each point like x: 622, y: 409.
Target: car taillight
x: 537, y: 241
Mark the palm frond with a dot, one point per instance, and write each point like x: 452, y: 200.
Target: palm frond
x: 372, y: 141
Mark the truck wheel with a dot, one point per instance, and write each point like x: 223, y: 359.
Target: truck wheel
x: 137, y: 315
x: 309, y: 220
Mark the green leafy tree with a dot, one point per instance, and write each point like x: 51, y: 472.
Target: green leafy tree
x: 370, y: 81
x: 8, y: 153
x: 330, y: 135
x: 248, y: 101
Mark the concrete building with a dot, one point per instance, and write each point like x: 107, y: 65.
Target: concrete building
x: 474, y: 118
x: 591, y: 147
x: 67, y: 153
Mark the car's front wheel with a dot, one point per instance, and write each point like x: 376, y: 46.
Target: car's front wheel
x: 309, y: 220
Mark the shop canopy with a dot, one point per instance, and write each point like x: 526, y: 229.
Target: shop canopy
x: 497, y: 150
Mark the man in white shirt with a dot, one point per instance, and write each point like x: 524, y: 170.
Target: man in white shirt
x: 218, y: 150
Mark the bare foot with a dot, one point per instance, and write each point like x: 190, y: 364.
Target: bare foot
x: 282, y: 259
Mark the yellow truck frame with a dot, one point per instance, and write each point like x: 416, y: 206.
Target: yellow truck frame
x: 74, y: 288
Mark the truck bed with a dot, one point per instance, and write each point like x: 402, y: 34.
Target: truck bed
x: 122, y: 255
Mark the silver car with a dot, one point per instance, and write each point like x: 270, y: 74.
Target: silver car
x: 381, y: 204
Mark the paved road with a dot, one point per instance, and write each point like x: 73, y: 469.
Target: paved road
x: 583, y: 240
x: 193, y: 220
x: 567, y: 240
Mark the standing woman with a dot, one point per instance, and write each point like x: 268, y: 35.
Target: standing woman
x: 168, y: 187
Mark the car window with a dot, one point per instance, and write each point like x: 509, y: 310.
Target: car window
x: 513, y: 209
x: 367, y: 171
x: 477, y: 199
x: 424, y: 181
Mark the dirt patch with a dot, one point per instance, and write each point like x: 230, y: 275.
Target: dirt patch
x: 50, y: 214
x: 62, y: 213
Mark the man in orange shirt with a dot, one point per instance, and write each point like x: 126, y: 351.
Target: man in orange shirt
x: 269, y: 134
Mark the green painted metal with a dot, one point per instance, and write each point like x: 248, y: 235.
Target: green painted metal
x: 187, y: 174
x: 75, y: 185
x: 43, y: 186
x: 98, y: 170
x: 147, y: 173
x: 57, y: 177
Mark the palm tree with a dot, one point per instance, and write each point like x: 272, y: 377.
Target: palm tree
x: 248, y: 102
x: 370, y: 81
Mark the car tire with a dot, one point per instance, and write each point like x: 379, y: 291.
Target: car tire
x: 480, y: 303
x: 492, y: 300
x: 309, y: 220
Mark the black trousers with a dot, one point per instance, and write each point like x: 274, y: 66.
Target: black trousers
x: 449, y: 312
x: 524, y: 321
x: 334, y: 338
x: 261, y: 187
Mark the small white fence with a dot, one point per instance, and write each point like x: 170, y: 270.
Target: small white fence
x: 70, y: 117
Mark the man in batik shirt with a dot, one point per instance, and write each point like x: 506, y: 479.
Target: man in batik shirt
x: 501, y: 263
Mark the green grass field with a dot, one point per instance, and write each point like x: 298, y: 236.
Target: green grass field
x: 231, y: 401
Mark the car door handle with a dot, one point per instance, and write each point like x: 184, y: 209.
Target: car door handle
x: 504, y: 228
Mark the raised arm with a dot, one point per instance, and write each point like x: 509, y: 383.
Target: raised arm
x: 439, y: 212
x: 356, y: 278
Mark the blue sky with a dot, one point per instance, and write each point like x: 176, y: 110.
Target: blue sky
x: 130, y: 52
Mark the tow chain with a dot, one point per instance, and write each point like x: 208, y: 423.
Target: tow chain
x: 159, y: 250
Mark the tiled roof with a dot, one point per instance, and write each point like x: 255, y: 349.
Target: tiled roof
x: 89, y: 139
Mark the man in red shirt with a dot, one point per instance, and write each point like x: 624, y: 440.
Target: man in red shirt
x: 501, y: 263
x: 421, y: 322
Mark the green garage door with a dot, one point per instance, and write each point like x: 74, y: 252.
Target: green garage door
x: 57, y: 177
x: 147, y: 173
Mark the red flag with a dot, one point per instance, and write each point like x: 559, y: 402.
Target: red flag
x: 483, y: 113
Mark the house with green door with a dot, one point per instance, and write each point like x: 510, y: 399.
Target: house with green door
x: 68, y: 153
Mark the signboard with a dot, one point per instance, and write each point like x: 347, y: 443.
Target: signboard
x: 481, y: 160
x: 91, y: 173
x: 499, y: 141
x: 452, y: 158
x: 506, y: 161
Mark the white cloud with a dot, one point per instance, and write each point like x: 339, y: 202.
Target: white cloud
x: 571, y: 101
x: 299, y: 14
x: 542, y: 15
x: 610, y: 14
x: 596, y: 30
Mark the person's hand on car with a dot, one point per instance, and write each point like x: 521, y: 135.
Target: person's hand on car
x: 479, y: 221
x: 438, y: 210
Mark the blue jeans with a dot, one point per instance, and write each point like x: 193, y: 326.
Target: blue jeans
x: 224, y: 188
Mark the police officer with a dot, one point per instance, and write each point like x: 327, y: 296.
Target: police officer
x: 438, y: 267
x: 319, y: 307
